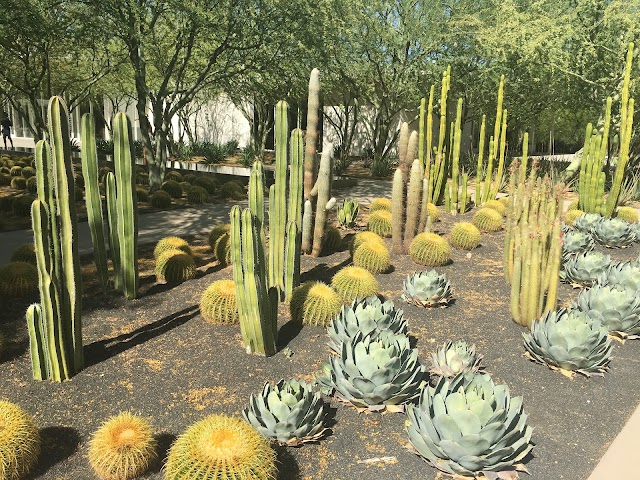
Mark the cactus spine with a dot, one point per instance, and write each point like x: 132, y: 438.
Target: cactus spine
x: 533, y: 245
x: 94, y: 203
x: 55, y: 327
x: 257, y: 303
x: 126, y: 207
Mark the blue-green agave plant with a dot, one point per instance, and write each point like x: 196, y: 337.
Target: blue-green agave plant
x: 468, y: 426
x: 587, y: 222
x: 613, y: 232
x: 374, y: 374
x: 289, y: 412
x: 570, y: 341
x: 454, y: 358
x: 427, y: 289
x: 575, y: 242
x: 626, y: 274
x: 585, y: 268
x: 614, y: 306
x: 372, y: 318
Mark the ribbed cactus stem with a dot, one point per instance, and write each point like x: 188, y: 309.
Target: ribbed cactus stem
x: 429, y: 139
x: 486, y: 188
x: 292, y: 255
x: 323, y: 191
x: 313, y: 108
x: 455, y: 170
x: 479, y: 169
x: 463, y: 194
x: 127, y: 204
x: 421, y: 132
x: 92, y: 198
x: 397, y: 212
x: 403, y: 147
x: 294, y: 211
x: 412, y: 149
x: 112, y: 219
x: 447, y: 196
x: 413, y: 203
x: 307, y: 219
x: 525, y: 151
x: 278, y: 200
x: 503, y: 149
x: 37, y: 342
x: 70, y: 281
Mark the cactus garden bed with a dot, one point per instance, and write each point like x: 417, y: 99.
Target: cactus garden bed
x: 157, y: 357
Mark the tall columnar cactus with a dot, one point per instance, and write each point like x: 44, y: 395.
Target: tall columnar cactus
x: 257, y: 303
x: 112, y: 218
x: 126, y: 206
x: 440, y: 166
x: 414, y: 192
x: 533, y: 245
x: 454, y: 181
x: 313, y: 108
x: 397, y: 212
x: 55, y: 326
x: 93, y: 201
x: 324, y: 202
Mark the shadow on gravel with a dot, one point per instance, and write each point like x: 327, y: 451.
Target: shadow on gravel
x: 165, y: 440
x: 58, y: 444
x: 323, y: 272
x: 288, y: 468
x: 288, y: 332
x: 102, y: 350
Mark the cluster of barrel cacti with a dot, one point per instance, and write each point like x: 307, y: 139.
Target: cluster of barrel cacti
x: 533, y: 246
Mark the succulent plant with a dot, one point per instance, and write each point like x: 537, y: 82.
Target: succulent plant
x: 487, y: 220
x: 223, y: 250
x: 5, y: 179
x: 217, y: 232
x: 171, y: 243
x: 372, y: 256
x: 626, y: 274
x: 173, y: 175
x: 613, y: 232
x: 16, y: 171
x: 571, y: 341
x: 467, y: 426
x: 380, y: 204
x: 290, y: 412
x: 19, y: 183
x: 78, y: 194
x: 122, y: 448
x: 464, y: 236
x: 504, y: 201
x: 362, y: 237
x: 374, y: 373
x: 160, y: 199
x: 575, y: 242
x: 354, y: 282
x: 332, y: 240
x: 25, y: 253
x: 430, y: 249
x: 314, y: 303
x: 18, y: 279
x: 495, y: 205
x: 207, y: 183
x: 173, y: 188
x: 571, y: 216
x: 371, y: 317
x: 175, y: 266
x: 19, y: 442
x: 380, y: 223
x: 141, y: 178
x: 617, y: 308
x: 348, y: 213
x: 232, y: 190
x: 628, y: 214
x: 433, y: 212
x: 142, y: 194
x: 190, y: 178
x: 197, y: 195
x: 28, y: 172
x: 186, y: 188
x: 586, y: 222
x: 218, y: 303
x: 427, y: 289
x: 585, y: 268
x: 222, y: 448
x: 455, y: 358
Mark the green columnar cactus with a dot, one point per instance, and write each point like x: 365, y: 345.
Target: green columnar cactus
x: 278, y: 200
x: 257, y: 304
x: 292, y: 257
x: 403, y: 146
x: 126, y: 205
x: 58, y: 332
x: 293, y: 248
x: 533, y: 245
x: 310, y: 160
x: 112, y: 218
x: 324, y: 202
x: 94, y: 203
x: 397, y: 212
x: 455, y: 170
x: 479, y: 168
x: 440, y: 166
x: 413, y: 203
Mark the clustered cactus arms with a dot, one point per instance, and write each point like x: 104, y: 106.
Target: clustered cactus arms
x: 55, y: 325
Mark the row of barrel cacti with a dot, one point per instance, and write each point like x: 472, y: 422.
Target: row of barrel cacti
x: 55, y: 325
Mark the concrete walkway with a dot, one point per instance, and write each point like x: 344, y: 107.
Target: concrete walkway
x: 188, y: 221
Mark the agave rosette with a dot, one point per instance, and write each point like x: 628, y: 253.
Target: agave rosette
x: 585, y: 268
x: 289, y: 412
x: 372, y: 318
x: 587, y: 222
x: 455, y: 358
x: 427, y: 289
x: 617, y: 308
x: 613, y: 232
x: 467, y: 426
x: 626, y: 274
x: 374, y: 374
x: 569, y: 341
x: 575, y: 242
